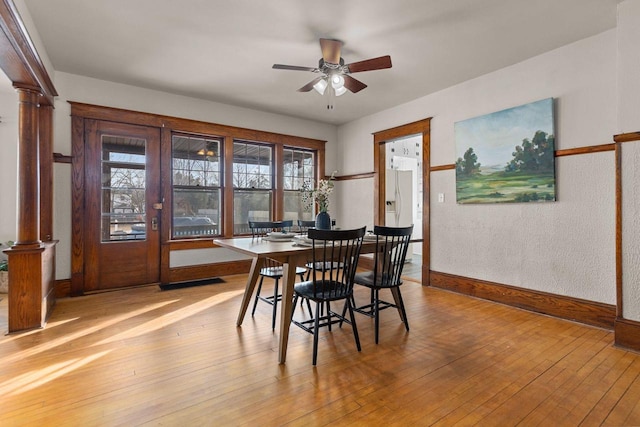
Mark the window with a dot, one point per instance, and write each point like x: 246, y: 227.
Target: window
x: 252, y: 184
x: 298, y: 168
x: 196, y: 174
x: 123, y: 188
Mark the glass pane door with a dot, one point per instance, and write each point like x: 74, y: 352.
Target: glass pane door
x: 123, y: 189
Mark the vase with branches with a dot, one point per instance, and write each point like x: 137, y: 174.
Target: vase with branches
x: 318, y: 196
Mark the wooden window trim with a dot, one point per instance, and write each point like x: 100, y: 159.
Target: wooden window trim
x: 81, y: 112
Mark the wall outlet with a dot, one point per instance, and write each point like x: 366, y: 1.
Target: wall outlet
x: 440, y: 197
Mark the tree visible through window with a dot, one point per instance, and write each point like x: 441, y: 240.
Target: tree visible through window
x: 196, y: 174
x: 298, y: 169
x: 252, y: 184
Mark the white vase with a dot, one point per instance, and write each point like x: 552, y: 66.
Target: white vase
x: 4, y: 282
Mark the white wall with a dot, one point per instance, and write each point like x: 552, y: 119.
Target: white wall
x: 84, y: 89
x: 566, y: 247
x: 628, y: 67
x: 8, y: 160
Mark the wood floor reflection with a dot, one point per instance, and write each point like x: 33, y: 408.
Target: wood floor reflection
x: 150, y: 357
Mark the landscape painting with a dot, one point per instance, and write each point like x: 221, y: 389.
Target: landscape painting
x: 507, y: 156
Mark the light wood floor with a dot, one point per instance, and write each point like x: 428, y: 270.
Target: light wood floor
x: 176, y: 358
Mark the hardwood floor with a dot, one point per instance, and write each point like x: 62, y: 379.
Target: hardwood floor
x: 150, y: 357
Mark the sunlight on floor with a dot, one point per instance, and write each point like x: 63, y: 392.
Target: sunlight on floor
x: 31, y: 380
x: 55, y: 342
x: 174, y: 316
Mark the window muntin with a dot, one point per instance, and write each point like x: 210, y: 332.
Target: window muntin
x: 123, y: 210
x: 197, y: 186
x: 298, y: 167
x: 253, y: 184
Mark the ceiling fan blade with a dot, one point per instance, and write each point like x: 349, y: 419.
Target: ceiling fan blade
x: 352, y: 84
x: 330, y: 50
x: 294, y: 68
x: 309, y: 86
x: 370, y: 64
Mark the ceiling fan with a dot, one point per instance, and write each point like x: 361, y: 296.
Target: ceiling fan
x: 334, y: 73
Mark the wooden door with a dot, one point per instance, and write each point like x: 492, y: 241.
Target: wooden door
x: 122, y: 202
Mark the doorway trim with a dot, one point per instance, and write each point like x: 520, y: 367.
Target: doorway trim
x: 380, y: 138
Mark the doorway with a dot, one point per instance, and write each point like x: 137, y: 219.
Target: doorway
x: 406, y: 139
x: 121, y: 199
x: 403, y: 194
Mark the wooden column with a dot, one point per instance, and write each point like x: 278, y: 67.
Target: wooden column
x: 31, y: 262
x: 45, y: 144
x: 28, y: 168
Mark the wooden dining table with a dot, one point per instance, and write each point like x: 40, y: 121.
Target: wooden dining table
x: 292, y: 255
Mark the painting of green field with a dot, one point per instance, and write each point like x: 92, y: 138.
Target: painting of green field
x: 507, y: 156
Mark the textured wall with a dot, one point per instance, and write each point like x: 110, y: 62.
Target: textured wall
x: 631, y: 231
x: 566, y: 247
x: 628, y: 68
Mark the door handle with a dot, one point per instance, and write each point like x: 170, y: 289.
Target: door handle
x: 154, y: 223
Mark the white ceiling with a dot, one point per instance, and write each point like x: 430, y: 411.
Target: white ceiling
x: 223, y: 50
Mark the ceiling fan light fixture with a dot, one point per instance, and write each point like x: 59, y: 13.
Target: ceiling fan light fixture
x: 337, y: 81
x: 332, y: 70
x: 320, y: 86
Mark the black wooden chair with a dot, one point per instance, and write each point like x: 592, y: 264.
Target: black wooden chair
x: 304, y: 226
x: 271, y: 268
x: 330, y: 285
x: 392, y: 244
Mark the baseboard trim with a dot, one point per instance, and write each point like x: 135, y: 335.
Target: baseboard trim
x: 179, y: 274
x: 199, y: 272
x: 579, y: 310
x: 63, y: 288
x: 627, y: 334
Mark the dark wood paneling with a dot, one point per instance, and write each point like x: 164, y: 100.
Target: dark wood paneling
x: 627, y: 334
x: 61, y: 158
x: 31, y: 290
x: 227, y: 196
x: 420, y: 126
x: 426, y: 203
x: 28, y: 169
x: 18, y: 57
x: 619, y: 229
x: 278, y: 177
x: 45, y: 133
x: 77, y: 206
x: 189, y: 126
x: 199, y: 272
x: 589, y: 312
x: 84, y: 114
x: 63, y: 288
x: 178, y: 245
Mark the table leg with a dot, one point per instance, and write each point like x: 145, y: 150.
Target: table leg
x: 397, y: 301
x: 286, y: 308
x: 254, y: 274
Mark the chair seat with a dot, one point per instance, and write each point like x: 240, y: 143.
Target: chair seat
x: 366, y: 279
x: 325, y: 290
x: 278, y: 271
